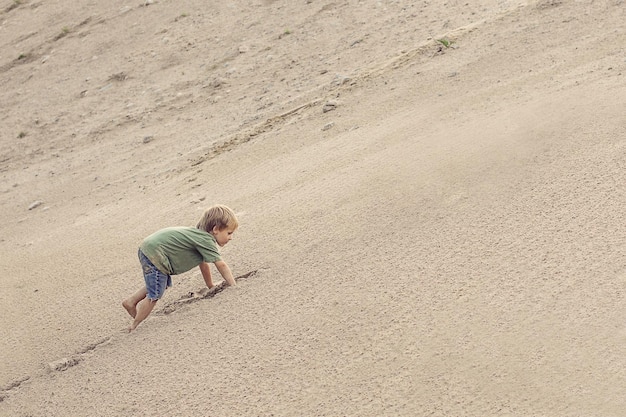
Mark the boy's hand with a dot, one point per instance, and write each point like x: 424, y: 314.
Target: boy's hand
x: 206, y: 274
x: 226, y: 273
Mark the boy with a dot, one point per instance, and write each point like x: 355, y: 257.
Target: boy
x: 175, y: 250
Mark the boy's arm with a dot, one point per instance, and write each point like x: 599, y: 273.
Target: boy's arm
x: 226, y: 273
x: 206, y: 274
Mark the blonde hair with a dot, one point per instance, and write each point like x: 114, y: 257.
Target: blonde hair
x: 220, y: 216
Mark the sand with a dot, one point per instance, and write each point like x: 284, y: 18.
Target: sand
x: 431, y: 198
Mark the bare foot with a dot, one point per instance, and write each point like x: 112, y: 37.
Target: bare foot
x: 132, y: 309
x: 132, y: 327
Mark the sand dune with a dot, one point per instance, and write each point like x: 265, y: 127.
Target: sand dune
x: 431, y: 199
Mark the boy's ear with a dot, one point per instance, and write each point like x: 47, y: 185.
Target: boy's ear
x: 215, y: 229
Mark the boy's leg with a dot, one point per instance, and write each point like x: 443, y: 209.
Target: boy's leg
x: 130, y: 304
x: 146, y: 298
x: 143, y: 310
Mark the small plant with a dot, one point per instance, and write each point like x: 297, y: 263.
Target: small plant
x: 181, y: 16
x: 21, y: 135
x: 64, y: 31
x: 22, y: 56
x: 285, y: 33
x: 445, y: 42
x: 120, y: 76
x: 16, y: 3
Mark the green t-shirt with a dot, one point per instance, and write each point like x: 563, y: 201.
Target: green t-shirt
x: 175, y: 250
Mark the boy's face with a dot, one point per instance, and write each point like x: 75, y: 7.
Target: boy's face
x: 223, y: 236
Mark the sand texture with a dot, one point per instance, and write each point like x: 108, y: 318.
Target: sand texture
x: 432, y: 200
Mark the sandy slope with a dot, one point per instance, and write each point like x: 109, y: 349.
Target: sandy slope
x: 447, y: 240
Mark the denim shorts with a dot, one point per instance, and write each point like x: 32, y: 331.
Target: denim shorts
x: 156, y: 281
